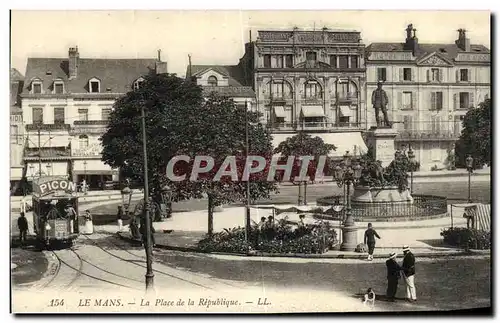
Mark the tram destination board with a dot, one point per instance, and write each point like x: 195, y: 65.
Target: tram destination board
x: 61, y: 228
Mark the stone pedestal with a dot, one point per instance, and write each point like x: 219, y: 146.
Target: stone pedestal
x: 382, y: 141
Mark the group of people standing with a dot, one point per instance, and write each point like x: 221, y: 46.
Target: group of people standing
x: 394, y: 270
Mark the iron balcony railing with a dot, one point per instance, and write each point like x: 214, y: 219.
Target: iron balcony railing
x: 292, y: 126
x: 427, y: 135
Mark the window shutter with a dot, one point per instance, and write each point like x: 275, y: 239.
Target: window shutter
x: 440, y: 75
x: 400, y: 100
x: 401, y: 75
x: 455, y: 101
x: 414, y: 100
x: 406, y: 122
x: 411, y: 122
x: 414, y: 76
x: 428, y: 75
x: 438, y: 124
x: 471, y: 99
x: 433, y: 124
x: 433, y: 100
x: 458, y: 75
x: 469, y: 75
x: 439, y: 99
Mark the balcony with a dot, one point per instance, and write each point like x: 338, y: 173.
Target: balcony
x: 427, y: 135
x: 314, y: 126
x: 90, y: 122
x: 314, y: 98
x: 48, y: 126
x: 347, y: 96
x: 87, y: 127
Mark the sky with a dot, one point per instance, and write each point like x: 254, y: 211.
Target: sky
x: 214, y: 37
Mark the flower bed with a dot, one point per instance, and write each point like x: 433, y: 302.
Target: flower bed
x: 467, y: 238
x: 281, y: 238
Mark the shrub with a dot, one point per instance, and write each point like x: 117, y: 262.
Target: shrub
x: 467, y: 238
x: 282, y: 238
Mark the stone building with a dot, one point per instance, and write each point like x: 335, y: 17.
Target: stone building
x: 66, y: 103
x: 430, y: 88
x: 17, y: 138
x: 311, y: 81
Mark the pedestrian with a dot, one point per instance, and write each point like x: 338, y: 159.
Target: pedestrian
x: 22, y: 224
x: 89, y: 225
x: 393, y: 274
x: 370, y: 235
x: 72, y: 216
x: 119, y: 218
x: 408, y: 269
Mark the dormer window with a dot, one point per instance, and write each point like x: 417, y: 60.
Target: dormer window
x: 36, y: 86
x: 94, y: 85
x: 58, y: 87
x: 212, y: 81
x: 138, y: 83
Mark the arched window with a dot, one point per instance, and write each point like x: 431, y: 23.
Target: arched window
x: 212, y: 81
x: 281, y: 90
x: 83, y: 141
x: 312, y: 90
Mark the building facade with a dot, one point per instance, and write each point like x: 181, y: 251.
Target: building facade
x: 66, y: 104
x: 430, y: 88
x: 311, y: 81
x: 17, y: 137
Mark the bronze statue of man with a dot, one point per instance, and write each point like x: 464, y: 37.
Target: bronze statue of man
x: 379, y: 101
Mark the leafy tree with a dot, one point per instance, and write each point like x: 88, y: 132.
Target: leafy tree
x: 475, y: 139
x: 179, y: 121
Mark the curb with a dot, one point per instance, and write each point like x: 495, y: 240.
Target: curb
x: 361, y: 256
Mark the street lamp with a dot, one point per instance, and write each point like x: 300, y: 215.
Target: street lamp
x: 349, y: 172
x: 411, y: 158
x: 166, y: 195
x: 126, y: 193
x: 469, y: 162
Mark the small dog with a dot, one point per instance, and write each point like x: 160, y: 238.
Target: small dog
x: 369, y: 298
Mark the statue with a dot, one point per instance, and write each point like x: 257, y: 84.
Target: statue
x: 379, y: 101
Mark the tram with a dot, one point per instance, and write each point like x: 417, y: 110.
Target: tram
x: 55, y: 211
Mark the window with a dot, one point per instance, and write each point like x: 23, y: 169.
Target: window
x: 267, y: 61
x: 59, y: 116
x: 105, y: 113
x: 435, y: 74
x: 381, y: 74
x: 407, y: 101
x: 94, y: 86
x: 36, y: 88
x: 333, y: 61
x: 408, y: 123
x: 58, y: 87
x: 312, y: 90
x: 406, y: 74
x: 464, y: 100
x: 279, y: 61
x: 343, y: 61
x: 354, y: 61
x: 435, y: 124
x: 37, y: 116
x: 14, y: 134
x: 137, y: 84
x: 436, y: 100
x: 288, y: 60
x: 212, y: 81
x: 457, y: 129
x: 464, y: 75
x: 280, y: 89
x: 83, y: 141
x: 83, y: 114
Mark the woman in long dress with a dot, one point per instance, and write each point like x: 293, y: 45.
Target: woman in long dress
x: 89, y: 226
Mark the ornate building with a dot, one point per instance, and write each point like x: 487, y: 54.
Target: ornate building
x: 66, y: 104
x: 430, y: 88
x: 17, y: 138
x: 310, y: 81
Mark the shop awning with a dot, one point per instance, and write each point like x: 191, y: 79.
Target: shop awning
x: 312, y: 111
x: 344, y: 141
x: 345, y: 111
x: 279, y: 111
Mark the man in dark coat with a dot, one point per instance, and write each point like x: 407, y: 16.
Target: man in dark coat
x: 370, y: 235
x: 393, y: 274
x: 408, y: 268
x: 22, y: 224
x: 379, y: 102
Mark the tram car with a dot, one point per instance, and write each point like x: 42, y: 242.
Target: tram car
x: 55, y: 211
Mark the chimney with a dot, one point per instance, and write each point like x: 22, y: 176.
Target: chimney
x: 411, y: 40
x: 73, y: 57
x: 463, y: 42
x: 161, y: 68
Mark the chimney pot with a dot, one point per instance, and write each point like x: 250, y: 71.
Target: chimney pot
x: 73, y: 57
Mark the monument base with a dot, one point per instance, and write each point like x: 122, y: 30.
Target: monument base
x: 382, y: 141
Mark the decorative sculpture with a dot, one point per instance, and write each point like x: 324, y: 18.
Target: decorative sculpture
x: 379, y: 102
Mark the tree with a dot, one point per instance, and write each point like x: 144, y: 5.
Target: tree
x: 475, y: 139
x: 179, y: 121
x: 303, y: 144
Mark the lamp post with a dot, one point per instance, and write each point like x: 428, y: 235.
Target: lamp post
x: 411, y: 158
x: 469, y: 162
x: 346, y: 174
x: 166, y: 195
x: 126, y: 193
x: 147, y: 220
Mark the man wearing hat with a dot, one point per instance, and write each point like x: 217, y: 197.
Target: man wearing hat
x: 408, y: 268
x: 379, y: 102
x: 393, y: 274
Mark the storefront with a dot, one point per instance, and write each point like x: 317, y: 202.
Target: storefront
x: 95, y: 172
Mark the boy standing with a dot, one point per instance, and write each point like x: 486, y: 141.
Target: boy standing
x: 370, y: 235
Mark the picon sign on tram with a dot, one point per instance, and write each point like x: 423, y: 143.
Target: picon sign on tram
x: 54, y: 186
